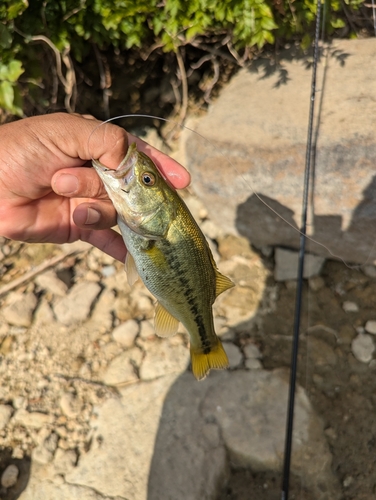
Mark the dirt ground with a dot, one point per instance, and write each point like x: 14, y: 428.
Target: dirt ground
x: 341, y: 388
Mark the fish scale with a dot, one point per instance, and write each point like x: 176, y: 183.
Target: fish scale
x: 167, y: 249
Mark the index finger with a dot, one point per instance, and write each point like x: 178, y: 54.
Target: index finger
x: 170, y: 168
x: 89, y: 139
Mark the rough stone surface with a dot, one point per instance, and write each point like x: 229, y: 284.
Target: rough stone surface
x: 257, y: 130
x: 19, y: 309
x: 164, y: 357
x: 121, y: 370
x: 125, y: 458
x: 50, y: 282
x: 75, y: 307
x: 70, y: 405
x: 255, y: 395
x: 45, y: 484
x: 5, y: 415
x: 31, y: 419
x: 286, y: 265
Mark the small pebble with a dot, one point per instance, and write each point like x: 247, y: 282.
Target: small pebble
x: 363, y: 347
x: 9, y: 476
x: 126, y: 333
x: 253, y: 364
x: 371, y: 327
x: 350, y: 307
x: 19, y: 402
x: 108, y: 271
x: 316, y: 283
x: 146, y: 329
x: 234, y: 354
x: 348, y: 481
x: 252, y: 351
x: 370, y: 271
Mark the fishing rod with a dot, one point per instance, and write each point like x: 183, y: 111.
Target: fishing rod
x: 299, y: 290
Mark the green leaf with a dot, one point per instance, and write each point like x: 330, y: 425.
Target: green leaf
x: 15, y: 69
x: 17, y: 8
x: 6, y: 95
x: 338, y: 23
x: 268, y: 23
x: 12, y: 71
x: 5, y: 37
x: 306, y: 41
x: 193, y: 31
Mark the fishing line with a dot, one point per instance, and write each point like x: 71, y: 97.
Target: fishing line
x: 299, y: 290
x: 246, y: 181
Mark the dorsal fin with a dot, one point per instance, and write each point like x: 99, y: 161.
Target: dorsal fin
x: 130, y: 269
x: 222, y: 283
x: 164, y: 323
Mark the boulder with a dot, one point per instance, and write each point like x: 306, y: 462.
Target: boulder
x: 249, y: 171
x: 174, y: 437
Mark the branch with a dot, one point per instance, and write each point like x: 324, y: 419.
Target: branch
x: 29, y: 275
x: 184, y: 84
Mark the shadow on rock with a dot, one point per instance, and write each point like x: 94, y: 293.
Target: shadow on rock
x: 15, y: 475
x: 233, y: 422
x: 260, y: 224
x: 267, y: 66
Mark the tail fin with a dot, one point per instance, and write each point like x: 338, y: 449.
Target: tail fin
x: 203, y: 363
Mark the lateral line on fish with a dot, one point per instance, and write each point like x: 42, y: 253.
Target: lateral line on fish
x: 189, y: 294
x: 247, y: 183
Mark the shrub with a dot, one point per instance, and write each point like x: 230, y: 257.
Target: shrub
x: 71, y: 27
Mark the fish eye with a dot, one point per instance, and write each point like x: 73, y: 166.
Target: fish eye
x: 148, y: 179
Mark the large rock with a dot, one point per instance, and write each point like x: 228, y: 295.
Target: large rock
x: 250, y: 409
x: 173, y: 437
x: 121, y: 458
x: 257, y: 134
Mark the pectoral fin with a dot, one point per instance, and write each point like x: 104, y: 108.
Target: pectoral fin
x: 203, y: 363
x: 130, y: 269
x: 222, y: 283
x: 165, y: 324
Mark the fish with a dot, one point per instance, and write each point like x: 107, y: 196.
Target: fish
x: 168, y: 250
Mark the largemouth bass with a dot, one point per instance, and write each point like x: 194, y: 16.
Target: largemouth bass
x: 167, y: 249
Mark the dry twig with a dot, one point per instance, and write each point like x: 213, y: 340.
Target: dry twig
x: 29, y: 275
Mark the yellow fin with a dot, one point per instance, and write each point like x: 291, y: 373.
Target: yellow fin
x: 130, y: 269
x: 222, y: 283
x: 165, y: 324
x: 203, y: 363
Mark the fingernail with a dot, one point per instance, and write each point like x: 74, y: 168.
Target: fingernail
x: 66, y: 184
x: 93, y: 216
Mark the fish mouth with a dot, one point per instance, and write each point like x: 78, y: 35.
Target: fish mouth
x: 124, y: 173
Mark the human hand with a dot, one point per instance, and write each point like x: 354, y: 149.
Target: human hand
x: 47, y: 193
